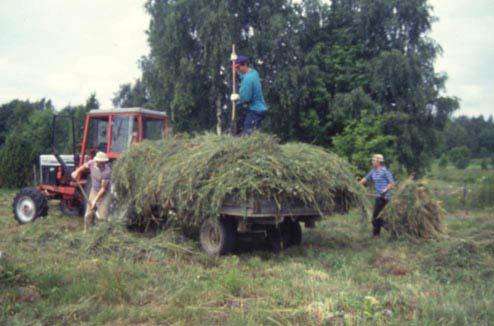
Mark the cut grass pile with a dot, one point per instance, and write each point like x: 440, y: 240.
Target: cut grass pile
x: 414, y: 212
x: 187, y: 179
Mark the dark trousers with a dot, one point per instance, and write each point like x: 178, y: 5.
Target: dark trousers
x: 252, y: 121
x: 377, y: 222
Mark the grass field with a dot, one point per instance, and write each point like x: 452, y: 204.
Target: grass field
x: 51, y: 273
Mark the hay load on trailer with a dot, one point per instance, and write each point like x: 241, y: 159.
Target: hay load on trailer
x: 230, y: 187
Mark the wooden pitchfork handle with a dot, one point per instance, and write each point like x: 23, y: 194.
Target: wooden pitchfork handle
x: 233, y: 58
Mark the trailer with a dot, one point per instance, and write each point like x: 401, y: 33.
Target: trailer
x: 278, y: 224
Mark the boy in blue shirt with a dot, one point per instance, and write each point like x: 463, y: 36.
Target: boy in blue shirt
x: 383, y: 183
x: 250, y: 94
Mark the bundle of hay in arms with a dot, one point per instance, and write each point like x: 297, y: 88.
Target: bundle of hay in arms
x: 187, y: 179
x: 413, y: 212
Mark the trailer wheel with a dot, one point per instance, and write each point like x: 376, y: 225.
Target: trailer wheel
x: 218, y: 238
x: 28, y: 205
x: 295, y: 234
x: 291, y: 233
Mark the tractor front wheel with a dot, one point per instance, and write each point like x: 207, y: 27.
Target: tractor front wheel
x: 218, y: 237
x: 29, y: 204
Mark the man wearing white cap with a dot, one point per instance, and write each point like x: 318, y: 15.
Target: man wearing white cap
x: 383, y: 183
x: 100, y: 194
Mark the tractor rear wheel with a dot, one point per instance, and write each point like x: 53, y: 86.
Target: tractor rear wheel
x: 29, y: 204
x: 218, y: 237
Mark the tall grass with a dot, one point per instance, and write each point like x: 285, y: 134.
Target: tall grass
x: 469, y: 189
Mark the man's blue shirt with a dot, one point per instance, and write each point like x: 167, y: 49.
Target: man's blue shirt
x: 381, y: 178
x: 251, y: 91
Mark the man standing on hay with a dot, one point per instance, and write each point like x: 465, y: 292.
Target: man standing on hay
x: 98, y: 202
x: 250, y: 94
x: 383, y: 183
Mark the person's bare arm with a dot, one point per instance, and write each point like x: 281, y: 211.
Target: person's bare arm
x: 77, y: 173
x: 390, y: 186
x: 363, y: 181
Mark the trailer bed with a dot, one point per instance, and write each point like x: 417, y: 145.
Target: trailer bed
x: 268, y: 208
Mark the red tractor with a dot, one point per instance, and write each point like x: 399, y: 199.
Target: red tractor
x: 111, y: 131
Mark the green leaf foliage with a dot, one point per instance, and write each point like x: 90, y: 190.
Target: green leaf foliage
x: 362, y: 138
x: 476, y: 133
x: 484, y: 164
x: 26, y: 133
x: 22, y: 147
x: 443, y: 161
x: 322, y: 64
x: 460, y: 157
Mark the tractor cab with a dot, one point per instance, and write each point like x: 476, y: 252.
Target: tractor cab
x: 108, y: 130
x: 112, y: 131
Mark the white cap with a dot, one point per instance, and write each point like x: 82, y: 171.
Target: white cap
x: 378, y: 157
x: 101, y: 157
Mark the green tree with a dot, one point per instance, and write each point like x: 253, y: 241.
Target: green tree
x: 188, y: 68
x: 484, y: 164
x: 443, y: 161
x: 319, y: 61
x: 26, y: 133
x: 382, y: 48
x: 476, y: 133
x: 414, y: 109
x: 334, y: 71
x: 15, y: 114
x: 484, y: 152
x: 92, y: 102
x: 15, y: 161
x: 131, y: 95
x: 188, y: 51
x: 460, y: 157
x: 6, y: 111
x: 23, y: 146
x: 363, y: 138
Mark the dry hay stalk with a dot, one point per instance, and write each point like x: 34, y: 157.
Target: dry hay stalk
x: 414, y: 212
x: 187, y: 179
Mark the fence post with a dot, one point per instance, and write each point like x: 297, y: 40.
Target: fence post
x: 464, y: 197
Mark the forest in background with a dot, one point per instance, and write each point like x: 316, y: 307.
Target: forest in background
x: 354, y: 76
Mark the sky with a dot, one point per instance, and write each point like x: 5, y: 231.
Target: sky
x: 66, y: 49
x: 465, y: 31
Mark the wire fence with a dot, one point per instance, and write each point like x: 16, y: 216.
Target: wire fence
x: 465, y: 196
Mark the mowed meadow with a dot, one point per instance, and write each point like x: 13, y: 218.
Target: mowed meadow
x: 53, y: 274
